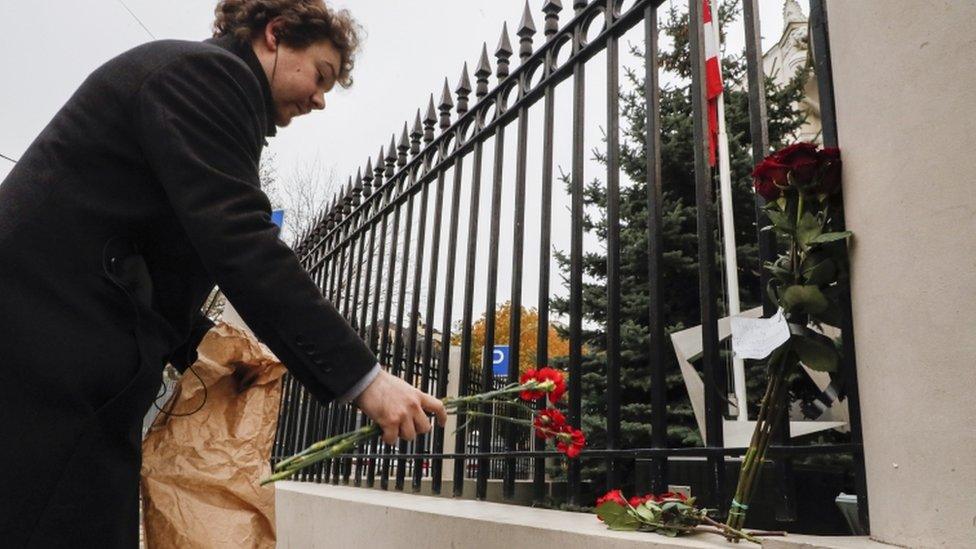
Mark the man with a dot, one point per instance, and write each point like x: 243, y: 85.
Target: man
x: 138, y: 197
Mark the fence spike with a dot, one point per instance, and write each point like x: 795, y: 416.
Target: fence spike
x: 368, y: 178
x: 391, y: 157
x: 525, y: 32
x: 482, y: 73
x: 402, y: 148
x: 357, y: 188
x: 502, y: 53
x: 447, y: 103
x: 552, y: 9
x: 415, y: 134
x: 463, y: 90
x: 430, y: 119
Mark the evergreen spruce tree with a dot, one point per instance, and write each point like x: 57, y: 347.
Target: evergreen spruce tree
x: 679, y: 271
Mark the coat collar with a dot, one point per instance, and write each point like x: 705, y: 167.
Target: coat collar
x: 246, y: 53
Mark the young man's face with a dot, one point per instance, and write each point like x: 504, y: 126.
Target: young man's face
x: 302, y: 78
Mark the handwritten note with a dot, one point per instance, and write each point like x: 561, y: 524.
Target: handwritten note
x: 757, y: 337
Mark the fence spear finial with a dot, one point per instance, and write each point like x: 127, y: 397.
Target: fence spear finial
x: 525, y: 32
x: 368, y: 178
x: 391, y: 157
x: 430, y: 120
x: 415, y: 134
x: 402, y: 148
x: 463, y: 90
x: 445, y: 106
x: 552, y: 9
x: 482, y: 73
x: 357, y: 188
x: 502, y: 53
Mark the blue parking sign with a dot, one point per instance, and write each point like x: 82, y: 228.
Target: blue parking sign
x: 278, y: 218
x: 499, y: 361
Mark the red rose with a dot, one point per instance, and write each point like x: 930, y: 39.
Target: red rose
x: 549, y: 422
x: 770, y: 178
x: 613, y: 496
x: 829, y: 171
x: 672, y: 496
x: 802, y: 160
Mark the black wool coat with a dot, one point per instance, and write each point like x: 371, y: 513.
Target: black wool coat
x: 138, y: 197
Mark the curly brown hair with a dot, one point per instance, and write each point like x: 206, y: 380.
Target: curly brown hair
x: 304, y: 22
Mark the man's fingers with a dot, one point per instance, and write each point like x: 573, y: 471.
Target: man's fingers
x: 407, y: 431
x: 436, y: 407
x: 390, y: 434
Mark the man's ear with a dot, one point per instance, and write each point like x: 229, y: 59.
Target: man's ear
x: 271, y: 30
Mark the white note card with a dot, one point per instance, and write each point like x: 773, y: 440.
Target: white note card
x: 758, y: 337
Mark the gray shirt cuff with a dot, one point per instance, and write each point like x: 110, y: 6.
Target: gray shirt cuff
x: 361, y: 385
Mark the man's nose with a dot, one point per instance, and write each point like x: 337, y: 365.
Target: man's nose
x: 318, y: 101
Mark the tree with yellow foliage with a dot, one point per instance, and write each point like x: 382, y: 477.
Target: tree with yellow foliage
x: 528, y: 339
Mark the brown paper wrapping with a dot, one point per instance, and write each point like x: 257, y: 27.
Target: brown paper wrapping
x: 201, y: 472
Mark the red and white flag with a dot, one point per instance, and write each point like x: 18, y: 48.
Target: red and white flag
x: 713, y: 78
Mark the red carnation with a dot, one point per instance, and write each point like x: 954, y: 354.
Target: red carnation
x: 613, y: 496
x: 554, y: 375
x: 526, y: 377
x: 570, y: 441
x: 549, y: 422
x: 542, y: 376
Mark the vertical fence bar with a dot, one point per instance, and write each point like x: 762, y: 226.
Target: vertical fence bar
x: 460, y: 445
x: 820, y: 44
x: 655, y: 240
x: 576, y: 257
x: 390, y: 282
x: 613, y: 250
x: 364, y: 305
x: 380, y: 252
x: 427, y: 348
x: 759, y: 130
x: 706, y: 264
x: 551, y: 10
x: 484, y: 432
x: 415, y: 297
x: 398, y: 358
x: 463, y: 89
x: 525, y: 32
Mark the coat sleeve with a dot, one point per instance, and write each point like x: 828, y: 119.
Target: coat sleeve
x: 200, y: 123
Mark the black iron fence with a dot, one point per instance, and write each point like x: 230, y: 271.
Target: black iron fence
x: 371, y: 254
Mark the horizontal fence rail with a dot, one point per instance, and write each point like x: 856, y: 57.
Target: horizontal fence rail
x: 390, y: 253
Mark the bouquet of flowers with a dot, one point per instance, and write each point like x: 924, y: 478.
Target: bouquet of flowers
x: 670, y: 514
x: 533, y: 385
x: 806, y: 282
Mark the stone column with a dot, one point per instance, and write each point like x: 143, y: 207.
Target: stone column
x: 905, y: 84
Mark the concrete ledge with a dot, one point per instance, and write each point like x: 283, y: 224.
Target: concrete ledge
x: 324, y: 515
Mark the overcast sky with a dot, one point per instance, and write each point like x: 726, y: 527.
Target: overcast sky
x: 48, y: 47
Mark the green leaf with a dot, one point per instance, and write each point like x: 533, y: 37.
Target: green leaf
x: 617, y: 517
x: 780, y: 220
x: 807, y: 229
x: 804, y: 299
x: 646, y: 513
x: 830, y: 237
x: 818, y: 269
x: 816, y: 351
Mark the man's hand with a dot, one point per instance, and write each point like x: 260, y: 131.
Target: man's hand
x: 399, y: 408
